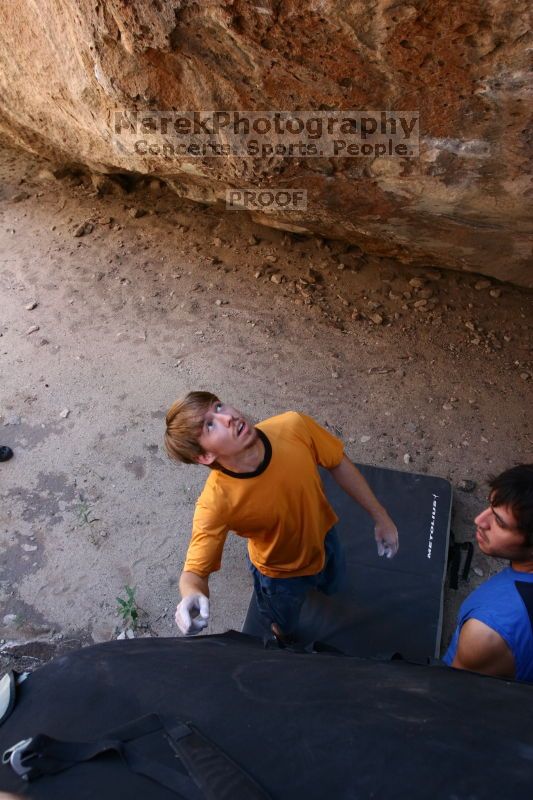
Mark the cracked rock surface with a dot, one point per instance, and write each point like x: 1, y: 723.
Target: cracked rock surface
x: 67, y: 68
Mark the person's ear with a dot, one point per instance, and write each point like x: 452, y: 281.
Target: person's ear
x: 206, y: 459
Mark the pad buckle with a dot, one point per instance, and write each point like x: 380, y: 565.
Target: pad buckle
x: 14, y: 756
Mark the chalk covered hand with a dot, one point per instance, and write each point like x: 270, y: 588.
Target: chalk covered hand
x: 192, y: 614
x: 386, y: 536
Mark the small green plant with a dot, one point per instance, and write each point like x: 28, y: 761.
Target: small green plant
x: 127, y: 608
x: 84, y: 513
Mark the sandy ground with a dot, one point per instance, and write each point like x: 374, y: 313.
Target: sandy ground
x: 101, y: 332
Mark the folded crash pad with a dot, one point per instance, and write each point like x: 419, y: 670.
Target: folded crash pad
x: 385, y: 605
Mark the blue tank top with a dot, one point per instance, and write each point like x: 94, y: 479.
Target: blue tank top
x: 505, y: 604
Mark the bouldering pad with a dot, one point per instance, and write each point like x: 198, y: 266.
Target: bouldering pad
x: 308, y: 726
x: 385, y: 606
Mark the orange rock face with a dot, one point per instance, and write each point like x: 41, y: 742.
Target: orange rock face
x: 67, y: 69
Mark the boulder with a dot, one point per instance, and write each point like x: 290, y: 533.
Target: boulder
x: 70, y: 70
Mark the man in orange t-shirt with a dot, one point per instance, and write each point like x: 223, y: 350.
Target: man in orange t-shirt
x: 265, y: 486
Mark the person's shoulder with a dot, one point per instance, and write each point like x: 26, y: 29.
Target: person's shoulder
x: 489, y: 601
x: 494, y: 585
x: 284, y: 416
x: 212, y: 490
x: 503, y: 582
x: 286, y: 419
x: 482, y: 649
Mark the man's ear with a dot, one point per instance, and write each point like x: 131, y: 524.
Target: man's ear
x: 206, y: 459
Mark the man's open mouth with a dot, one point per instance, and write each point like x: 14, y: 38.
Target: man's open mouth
x: 240, y: 427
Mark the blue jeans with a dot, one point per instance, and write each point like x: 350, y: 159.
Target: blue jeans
x: 280, y: 600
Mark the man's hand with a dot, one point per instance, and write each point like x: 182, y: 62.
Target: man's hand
x: 386, y: 535
x: 192, y: 614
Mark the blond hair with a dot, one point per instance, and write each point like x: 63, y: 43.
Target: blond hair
x: 184, y: 422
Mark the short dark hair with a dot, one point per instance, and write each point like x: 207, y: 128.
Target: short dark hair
x: 514, y: 488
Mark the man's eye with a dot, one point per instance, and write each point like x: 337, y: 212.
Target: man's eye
x: 218, y: 407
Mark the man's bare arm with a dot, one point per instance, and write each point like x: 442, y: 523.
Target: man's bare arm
x: 191, y: 583
x: 350, y: 479
x: 481, y: 649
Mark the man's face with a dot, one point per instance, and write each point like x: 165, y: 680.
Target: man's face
x: 497, y: 534
x: 226, y: 434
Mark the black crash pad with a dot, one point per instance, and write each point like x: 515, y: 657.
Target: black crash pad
x: 309, y: 726
x: 386, y: 605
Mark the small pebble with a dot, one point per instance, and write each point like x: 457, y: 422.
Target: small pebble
x: 137, y: 212
x: 479, y: 572
x: 33, y: 329
x: 365, y: 439
x: 466, y: 485
x: 31, y: 306
x: 484, y: 284
x: 64, y: 414
x: 83, y: 229
x: 45, y: 175
x: 407, y: 458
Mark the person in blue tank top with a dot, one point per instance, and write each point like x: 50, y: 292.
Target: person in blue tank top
x: 494, y: 633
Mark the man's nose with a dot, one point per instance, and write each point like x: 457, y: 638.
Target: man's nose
x: 225, y: 418
x: 482, y: 520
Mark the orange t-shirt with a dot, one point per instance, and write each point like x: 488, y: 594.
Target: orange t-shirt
x: 282, y: 511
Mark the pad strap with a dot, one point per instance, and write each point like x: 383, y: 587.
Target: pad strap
x: 212, y: 775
